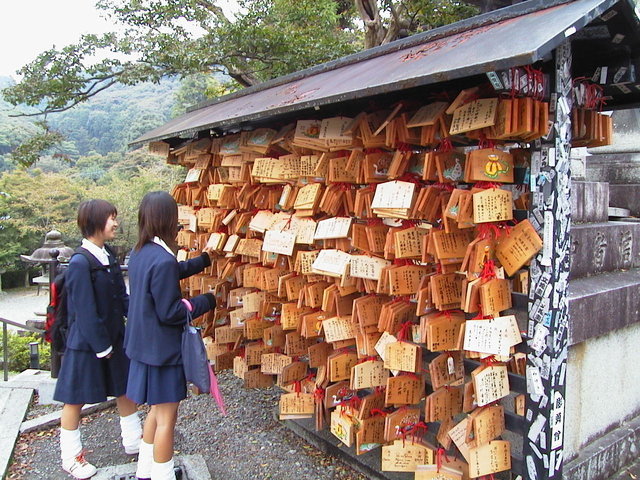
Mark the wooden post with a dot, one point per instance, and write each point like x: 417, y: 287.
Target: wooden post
x: 548, y: 299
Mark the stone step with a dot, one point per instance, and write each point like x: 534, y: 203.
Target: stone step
x: 604, y: 247
x: 614, y: 168
x: 14, y: 403
x: 603, y: 303
x: 626, y: 196
x: 589, y: 202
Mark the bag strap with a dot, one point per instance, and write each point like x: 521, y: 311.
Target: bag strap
x: 94, y: 263
x: 189, y: 307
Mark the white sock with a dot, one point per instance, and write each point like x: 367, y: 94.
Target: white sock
x: 70, y: 444
x: 163, y: 471
x: 131, y: 432
x: 145, y: 460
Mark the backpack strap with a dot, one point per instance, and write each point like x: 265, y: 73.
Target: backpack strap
x: 94, y: 263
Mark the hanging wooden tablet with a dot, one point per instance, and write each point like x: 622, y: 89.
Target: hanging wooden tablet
x: 254, y: 378
x: 405, y: 456
x: 489, y: 165
x: 408, y: 242
x: 368, y: 374
x: 490, y: 383
x: 273, y: 363
x: 450, y: 166
x: 370, y: 434
x: 446, y: 369
x: 403, y: 356
x: 318, y: 354
x: 495, y: 296
x: 432, y: 472
x: 460, y: 437
x: 474, y: 115
x: 406, y: 389
x: 444, y: 403
x: 446, y: 290
x: 488, y: 423
x: 492, y: 205
x: 339, y: 365
x: 254, y: 352
x: 296, y: 405
x: 490, y: 458
x: 442, y: 330
x: 293, y: 372
x: 517, y: 248
x: 398, y: 420
x: 404, y: 280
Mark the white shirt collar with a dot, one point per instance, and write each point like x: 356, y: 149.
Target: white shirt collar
x: 159, y: 241
x: 99, y: 252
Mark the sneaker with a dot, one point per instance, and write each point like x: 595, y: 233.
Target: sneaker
x: 79, y: 467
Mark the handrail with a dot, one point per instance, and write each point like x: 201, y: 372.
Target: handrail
x: 5, y: 338
x: 20, y: 325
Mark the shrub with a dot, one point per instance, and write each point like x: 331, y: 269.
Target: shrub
x: 18, y: 351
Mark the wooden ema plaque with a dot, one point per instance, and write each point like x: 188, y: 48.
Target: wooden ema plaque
x: 490, y: 458
x: 495, y: 296
x: 492, y: 205
x: 342, y: 426
x: 369, y: 374
x: 460, y: 436
x: 493, y: 336
x: 517, y: 248
x: 403, y: 356
x: 338, y: 328
x: 446, y: 369
x: 441, y: 331
x: 489, y: 165
x: 488, y: 423
x: 398, y: 420
x: 407, y: 389
x: 405, y: 456
x: 254, y: 378
x: 340, y: 364
x: 432, y: 472
x: 490, y: 383
x: 443, y: 404
x: 370, y: 434
x: 273, y: 363
x: 296, y: 405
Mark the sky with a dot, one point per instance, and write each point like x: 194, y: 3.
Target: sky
x: 28, y: 27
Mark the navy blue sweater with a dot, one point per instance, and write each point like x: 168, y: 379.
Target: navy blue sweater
x: 156, y: 313
x: 96, y: 311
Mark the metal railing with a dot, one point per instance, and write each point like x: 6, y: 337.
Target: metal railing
x: 5, y: 341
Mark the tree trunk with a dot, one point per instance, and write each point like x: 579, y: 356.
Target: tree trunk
x: 374, y: 28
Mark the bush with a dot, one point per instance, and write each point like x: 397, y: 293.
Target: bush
x: 18, y: 351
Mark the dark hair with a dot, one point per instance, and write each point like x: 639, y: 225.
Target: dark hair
x: 158, y: 217
x: 93, y: 216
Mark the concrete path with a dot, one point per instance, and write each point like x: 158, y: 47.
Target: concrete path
x: 21, y: 304
x: 14, y: 403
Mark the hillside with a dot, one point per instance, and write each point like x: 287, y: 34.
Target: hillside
x: 103, y: 125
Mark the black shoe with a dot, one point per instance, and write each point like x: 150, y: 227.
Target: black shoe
x: 178, y: 473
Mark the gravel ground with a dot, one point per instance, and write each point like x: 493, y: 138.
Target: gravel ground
x: 247, y: 443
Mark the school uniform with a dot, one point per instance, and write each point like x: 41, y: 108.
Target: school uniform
x: 156, y: 319
x: 96, y: 306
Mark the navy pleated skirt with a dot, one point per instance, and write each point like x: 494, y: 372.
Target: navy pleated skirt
x: 153, y: 385
x: 85, y: 378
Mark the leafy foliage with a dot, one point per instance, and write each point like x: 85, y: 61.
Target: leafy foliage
x: 19, y: 354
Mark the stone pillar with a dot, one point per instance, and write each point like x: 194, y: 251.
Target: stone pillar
x: 548, y: 301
